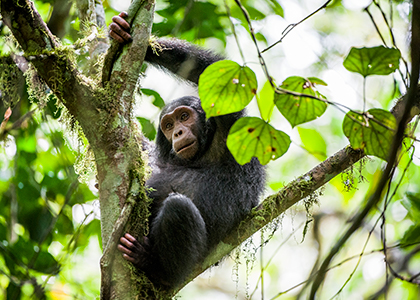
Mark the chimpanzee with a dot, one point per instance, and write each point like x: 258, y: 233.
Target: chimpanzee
x: 199, y: 191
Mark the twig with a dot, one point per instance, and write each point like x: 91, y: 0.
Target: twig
x: 234, y: 31
x: 290, y: 27
x: 251, y: 29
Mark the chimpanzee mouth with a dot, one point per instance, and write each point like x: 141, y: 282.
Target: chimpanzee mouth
x: 186, y: 147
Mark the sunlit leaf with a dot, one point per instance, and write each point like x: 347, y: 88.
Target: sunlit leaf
x: 226, y: 87
x: 314, y: 142
x: 252, y: 137
x: 296, y: 109
x: 373, y: 61
x: 265, y: 101
x: 371, y: 132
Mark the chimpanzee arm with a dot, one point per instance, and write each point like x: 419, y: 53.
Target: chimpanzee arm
x: 181, y: 58
x: 178, y: 57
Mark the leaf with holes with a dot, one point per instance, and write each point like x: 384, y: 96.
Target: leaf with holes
x: 373, y: 61
x: 226, y: 87
x: 372, y: 132
x: 252, y: 137
x: 300, y: 109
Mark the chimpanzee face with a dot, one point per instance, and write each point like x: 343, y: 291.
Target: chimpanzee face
x: 180, y: 128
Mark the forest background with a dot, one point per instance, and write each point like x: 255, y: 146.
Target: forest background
x: 50, y: 235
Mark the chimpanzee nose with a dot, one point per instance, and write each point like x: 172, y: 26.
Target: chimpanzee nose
x: 178, y: 133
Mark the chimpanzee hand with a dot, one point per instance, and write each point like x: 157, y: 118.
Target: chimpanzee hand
x: 134, y: 251
x: 119, y: 28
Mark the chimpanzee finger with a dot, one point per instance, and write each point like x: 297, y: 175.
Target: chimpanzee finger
x: 117, y: 33
x: 134, y: 244
x: 130, y: 259
x: 126, y: 243
x: 123, y: 14
x: 120, y: 21
x: 130, y: 237
x: 116, y: 37
x: 124, y: 250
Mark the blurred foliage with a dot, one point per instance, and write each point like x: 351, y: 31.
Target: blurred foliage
x: 49, y: 228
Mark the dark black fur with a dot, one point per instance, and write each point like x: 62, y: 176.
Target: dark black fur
x: 195, y: 202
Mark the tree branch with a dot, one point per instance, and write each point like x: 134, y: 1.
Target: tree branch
x: 51, y: 60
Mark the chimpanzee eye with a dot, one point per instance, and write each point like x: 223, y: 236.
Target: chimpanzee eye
x: 168, y: 126
x: 184, y: 116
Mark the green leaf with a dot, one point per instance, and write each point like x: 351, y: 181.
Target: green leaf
x: 252, y: 137
x: 254, y: 14
x: 147, y: 127
x: 276, y: 7
x: 265, y: 101
x: 412, y: 235
x: 373, y: 61
x: 298, y: 110
x: 226, y: 87
x: 412, y: 204
x: 313, y: 142
x: 364, y: 131
x: 158, y: 102
x: 46, y: 263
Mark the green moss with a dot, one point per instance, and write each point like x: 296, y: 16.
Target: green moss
x: 12, y: 82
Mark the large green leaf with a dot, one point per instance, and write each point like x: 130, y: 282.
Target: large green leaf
x: 298, y: 110
x: 252, y: 137
x: 372, y: 132
x: 373, y: 61
x: 226, y: 87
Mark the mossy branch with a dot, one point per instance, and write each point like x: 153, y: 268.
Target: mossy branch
x: 52, y: 61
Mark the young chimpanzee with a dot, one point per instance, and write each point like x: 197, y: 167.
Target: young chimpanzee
x: 199, y: 191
